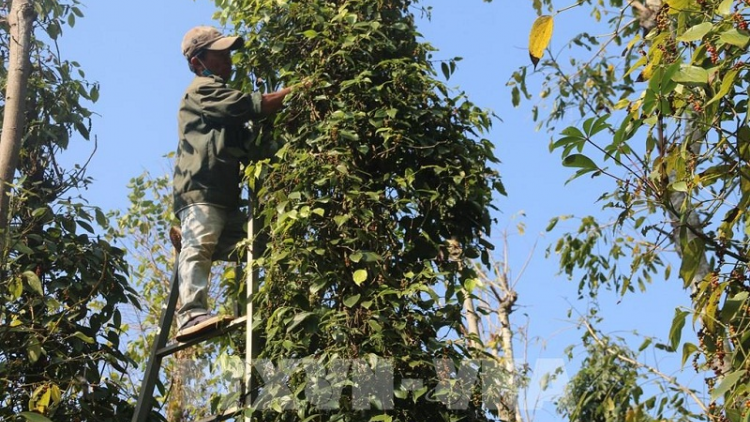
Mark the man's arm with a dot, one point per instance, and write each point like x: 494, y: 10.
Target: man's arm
x: 272, y: 102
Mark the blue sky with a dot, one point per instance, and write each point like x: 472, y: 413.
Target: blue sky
x: 132, y: 49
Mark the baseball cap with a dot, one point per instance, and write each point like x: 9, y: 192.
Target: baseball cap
x: 207, y: 38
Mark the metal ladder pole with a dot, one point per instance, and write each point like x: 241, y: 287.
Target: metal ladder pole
x: 252, y: 287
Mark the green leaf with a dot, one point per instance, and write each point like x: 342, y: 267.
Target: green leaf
x: 349, y: 135
x: 383, y: 417
x: 679, y: 186
x: 298, y: 318
x: 696, y: 33
x: 471, y: 284
x: 647, y: 342
x: 552, y: 224
x: 34, y: 282
x: 687, y: 350
x: 574, y: 132
x: 39, y: 212
x: 94, y: 93
x: 34, y: 350
x: 101, y: 219
x: 725, y: 8
x: 732, y: 306
x: 675, y: 332
x: 351, y: 300
x: 371, y: 257
x: 579, y: 161
x: 341, y: 219
x: 360, y: 276
x: 693, y: 254
x: 15, y: 288
x: 727, y: 383
x: 691, y: 74
x: 683, y: 5
x: 734, y: 37
x: 310, y: 33
x: 446, y: 70
x: 84, y: 337
x: 356, y: 256
x: 515, y: 96
x: 34, y: 417
x: 727, y: 82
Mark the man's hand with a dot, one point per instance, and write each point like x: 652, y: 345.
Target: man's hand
x: 273, y: 102
x: 305, y: 83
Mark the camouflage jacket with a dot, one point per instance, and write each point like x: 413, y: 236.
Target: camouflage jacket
x: 213, y: 138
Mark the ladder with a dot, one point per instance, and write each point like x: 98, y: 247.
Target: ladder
x: 163, y: 348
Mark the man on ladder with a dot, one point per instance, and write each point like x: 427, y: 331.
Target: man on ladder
x: 215, y: 126
x: 213, y: 141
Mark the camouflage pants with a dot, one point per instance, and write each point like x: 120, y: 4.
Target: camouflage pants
x: 209, y: 233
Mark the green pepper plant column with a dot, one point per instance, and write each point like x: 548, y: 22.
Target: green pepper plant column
x: 380, y: 189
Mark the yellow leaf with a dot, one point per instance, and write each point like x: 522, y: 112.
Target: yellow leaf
x: 541, y: 33
x: 648, y: 71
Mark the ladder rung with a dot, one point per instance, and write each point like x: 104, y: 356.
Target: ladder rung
x: 229, y: 413
x: 177, y: 346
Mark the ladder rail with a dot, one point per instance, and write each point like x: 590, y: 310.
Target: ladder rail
x: 251, y: 288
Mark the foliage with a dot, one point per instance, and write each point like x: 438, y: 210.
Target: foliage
x: 663, y: 106
x: 613, y: 385
x: 61, y: 283
x: 381, y: 172
x: 601, y: 390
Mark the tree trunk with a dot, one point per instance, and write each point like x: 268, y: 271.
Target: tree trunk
x: 472, y: 321
x: 504, y: 310
x: 20, y: 18
x: 498, y: 298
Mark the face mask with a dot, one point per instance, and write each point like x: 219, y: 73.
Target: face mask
x: 205, y: 71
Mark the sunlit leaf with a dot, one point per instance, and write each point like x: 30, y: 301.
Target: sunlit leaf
x: 359, y: 276
x: 84, y: 337
x: 727, y: 383
x: 33, y: 281
x: 690, y: 74
x: 679, y: 186
x: 734, y: 37
x: 696, y: 32
x: 34, y: 417
x: 682, y: 5
x: 725, y: 8
x: 540, y: 36
x: 727, y: 82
